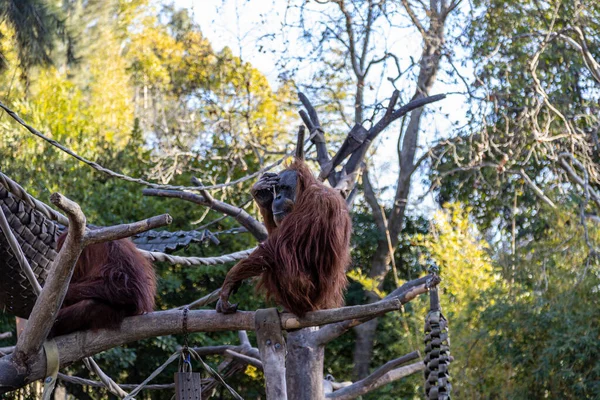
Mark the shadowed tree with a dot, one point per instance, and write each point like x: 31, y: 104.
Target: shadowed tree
x: 37, y: 25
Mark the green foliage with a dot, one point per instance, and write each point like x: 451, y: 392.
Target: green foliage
x: 467, y: 273
x: 37, y: 25
x: 543, y: 328
x: 94, y: 107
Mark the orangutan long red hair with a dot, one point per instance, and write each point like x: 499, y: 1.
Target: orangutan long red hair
x: 111, y: 281
x: 303, y: 261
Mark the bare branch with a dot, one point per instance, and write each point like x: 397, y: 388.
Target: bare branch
x: 536, y: 189
x: 246, y: 220
x: 371, y: 199
x: 50, y: 299
x: 245, y: 359
x: 414, y: 19
x: 402, y: 111
x: 351, y: 41
x: 368, y: 385
x: 404, y: 294
x: 126, y: 178
x: 576, y: 178
x: 317, y: 136
x: 300, y: 143
x: 126, y: 230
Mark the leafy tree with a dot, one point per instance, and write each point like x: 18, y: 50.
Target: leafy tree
x: 37, y: 25
x: 88, y: 107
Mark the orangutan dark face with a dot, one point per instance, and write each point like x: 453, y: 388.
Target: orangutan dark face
x: 284, y: 195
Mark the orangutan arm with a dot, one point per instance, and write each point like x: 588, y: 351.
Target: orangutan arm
x: 254, y: 265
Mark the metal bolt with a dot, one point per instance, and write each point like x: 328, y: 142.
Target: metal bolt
x: 49, y: 379
x: 268, y: 342
x: 277, y: 346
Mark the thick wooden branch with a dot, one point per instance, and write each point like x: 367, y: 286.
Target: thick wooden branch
x: 317, y: 136
x: 126, y: 230
x: 390, y: 365
x: 79, y: 345
x: 272, y: 348
x: 5, y: 335
x: 368, y: 385
x: 254, y: 226
x: 403, y: 295
x: 357, y: 157
x: 388, y: 118
x: 317, y: 318
x: 50, y: 299
x: 370, y: 381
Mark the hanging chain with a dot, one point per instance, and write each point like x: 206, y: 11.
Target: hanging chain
x: 437, y: 348
x: 185, y: 362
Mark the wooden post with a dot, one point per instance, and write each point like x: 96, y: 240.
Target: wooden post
x: 188, y: 386
x: 272, y: 352
x: 304, y: 366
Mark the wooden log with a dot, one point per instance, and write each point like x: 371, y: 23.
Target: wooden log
x: 272, y: 352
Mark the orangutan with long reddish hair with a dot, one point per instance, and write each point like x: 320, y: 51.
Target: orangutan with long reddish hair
x: 110, y: 281
x: 303, y: 261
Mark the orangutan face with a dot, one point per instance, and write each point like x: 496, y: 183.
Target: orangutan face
x: 284, y: 196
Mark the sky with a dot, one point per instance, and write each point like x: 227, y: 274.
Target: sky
x: 239, y: 24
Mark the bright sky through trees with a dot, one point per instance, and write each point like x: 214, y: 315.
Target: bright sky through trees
x: 241, y: 25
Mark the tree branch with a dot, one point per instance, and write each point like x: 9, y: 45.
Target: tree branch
x: 125, y: 230
x: 76, y: 346
x: 403, y: 294
x: 244, y: 358
x: 372, y: 201
x: 414, y: 19
x: 368, y: 385
x: 536, y: 189
x: 50, y: 299
x: 246, y: 220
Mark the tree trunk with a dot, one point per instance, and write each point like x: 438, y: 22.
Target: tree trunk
x: 363, y: 348
x: 380, y: 263
x: 304, y: 366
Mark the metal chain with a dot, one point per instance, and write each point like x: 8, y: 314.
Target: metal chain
x: 437, y: 349
x: 185, y: 362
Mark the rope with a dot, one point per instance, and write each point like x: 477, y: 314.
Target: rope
x: 160, y: 369
x: 88, y: 382
x: 106, y: 380
x: 187, y: 261
x: 126, y: 178
x: 15, y: 189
